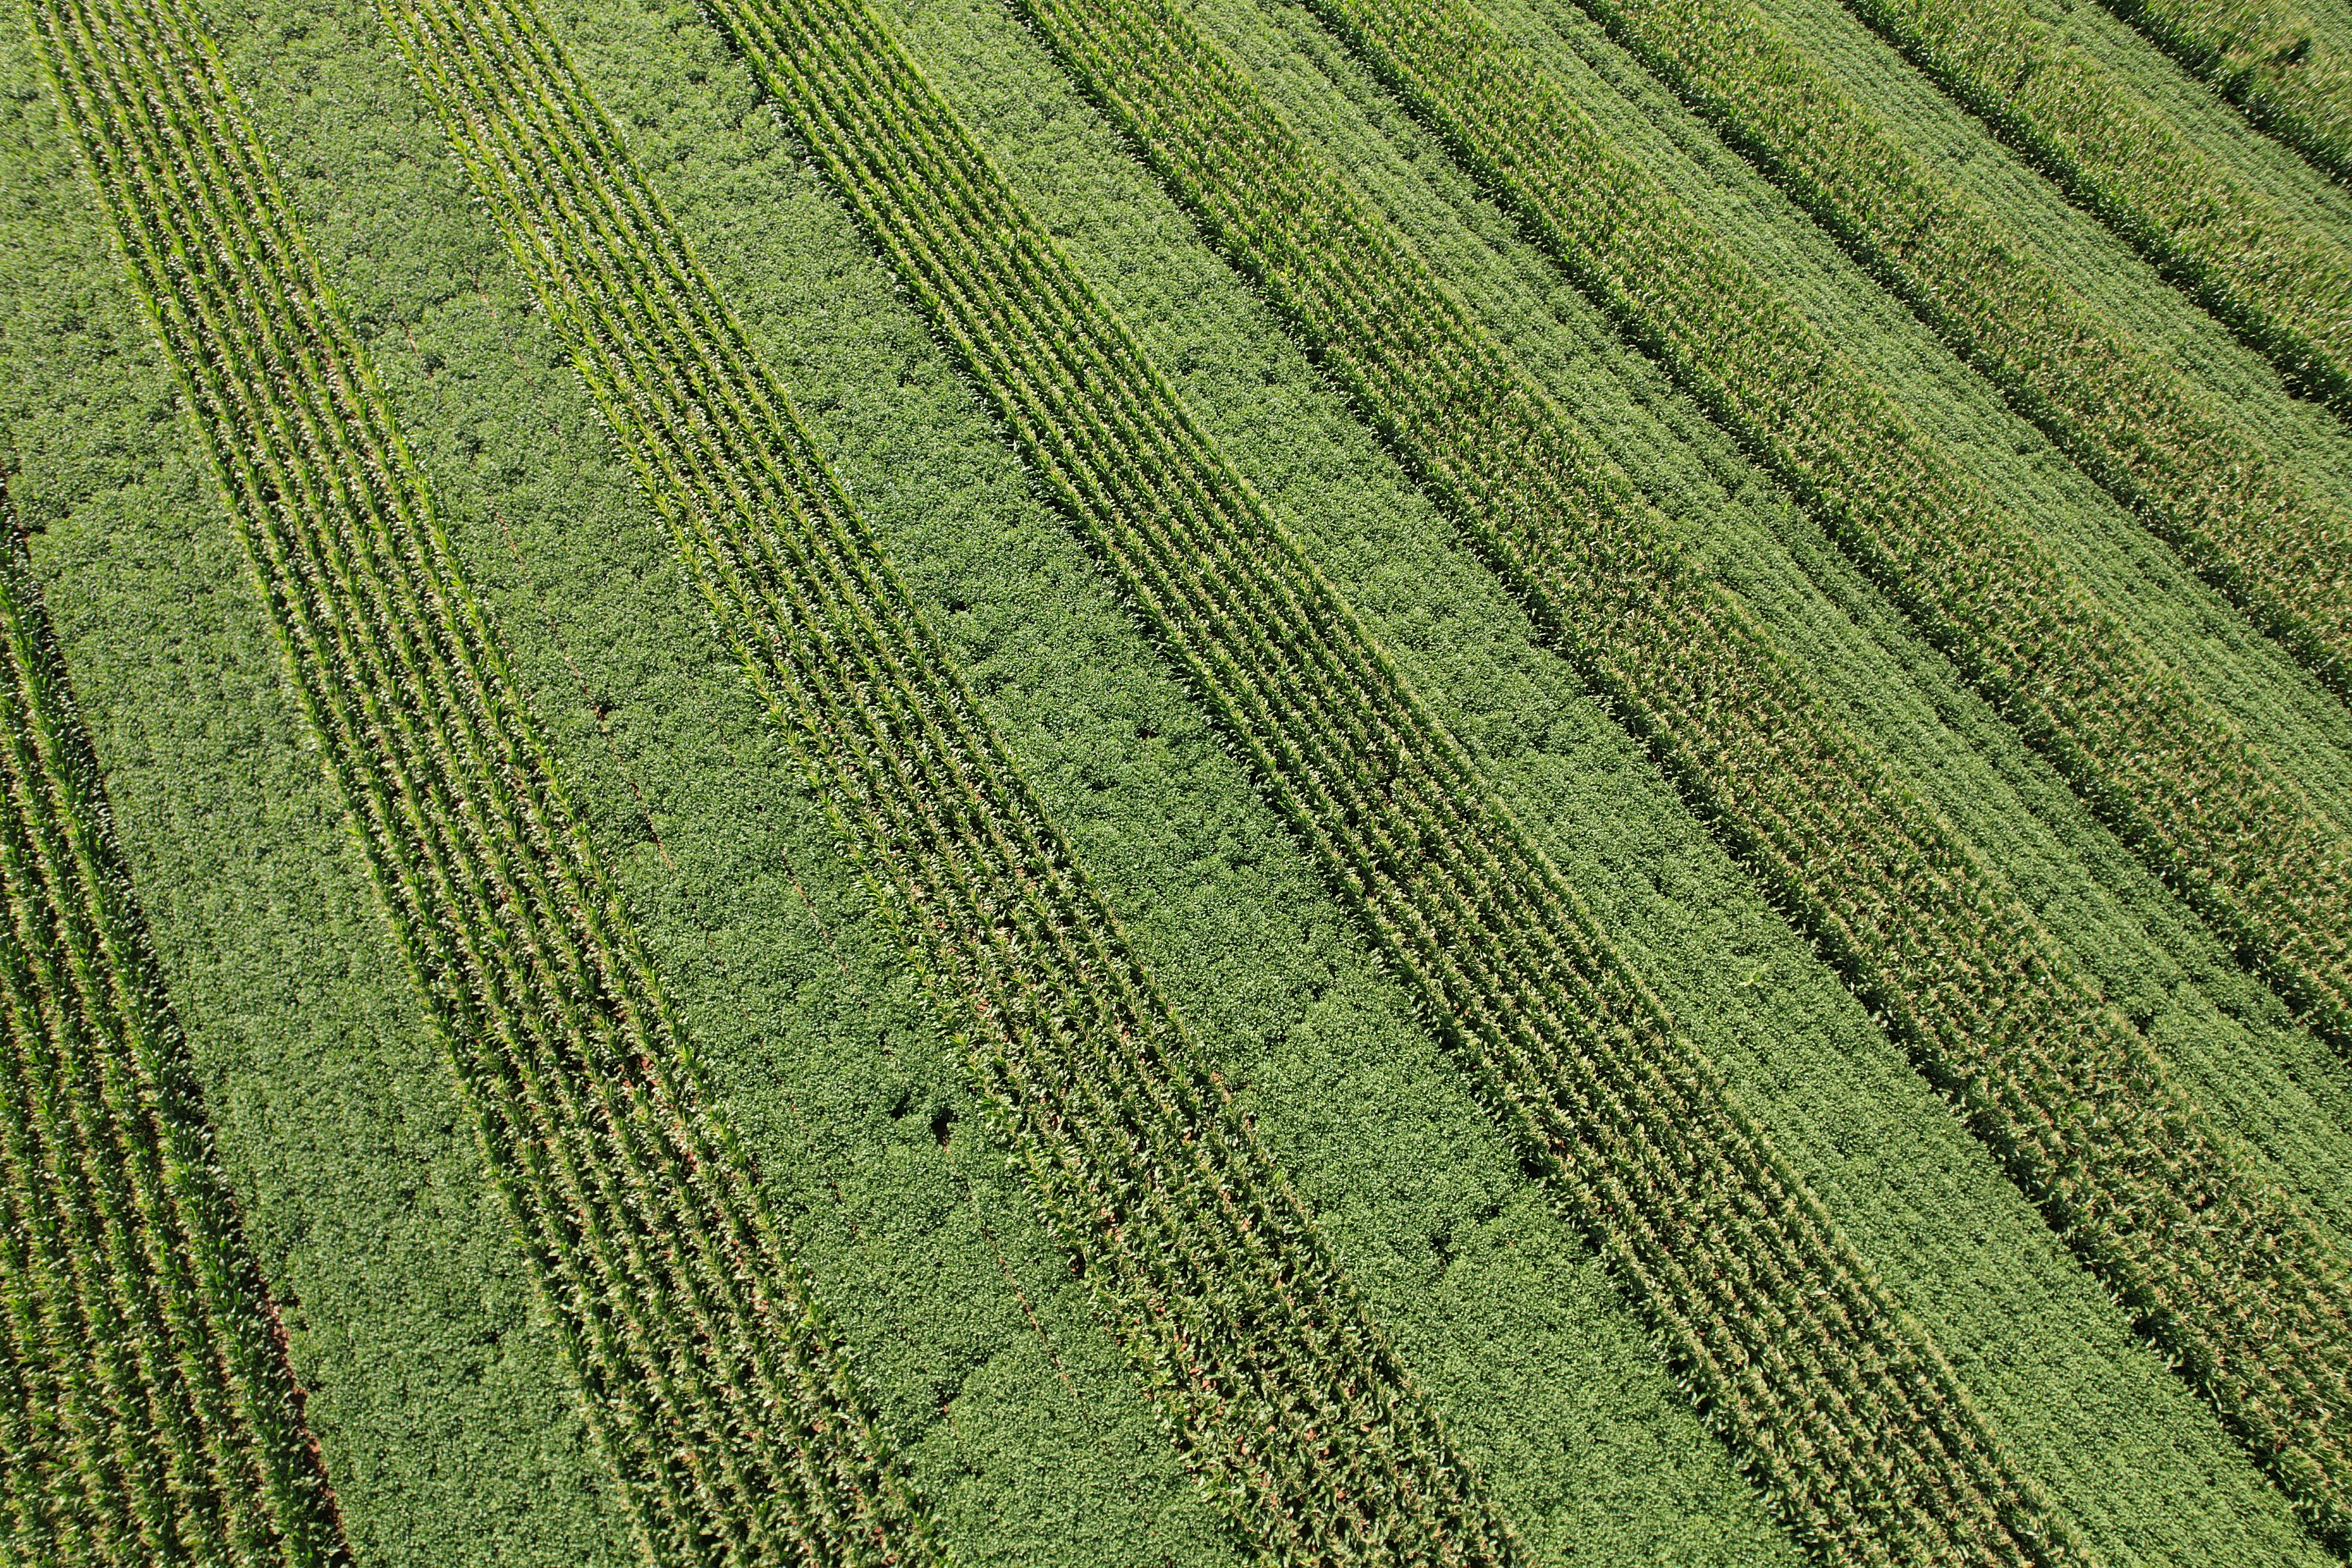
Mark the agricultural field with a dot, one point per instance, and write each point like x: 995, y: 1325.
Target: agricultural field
x: 1092, y: 784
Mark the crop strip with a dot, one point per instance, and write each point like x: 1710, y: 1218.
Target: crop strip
x: 146, y: 1407
x: 2085, y: 1116
x: 2169, y: 452
x: 1261, y: 1357
x: 2283, y: 284
x: 736, y: 1429
x: 2208, y: 811
x: 2271, y: 61
x: 1836, y: 1401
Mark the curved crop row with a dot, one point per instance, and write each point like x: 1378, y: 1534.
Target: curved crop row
x: 2208, y: 810
x: 1262, y: 1358
x: 147, y: 1410
x: 2166, y: 449
x: 2268, y: 61
x: 2281, y: 283
x: 737, y: 1430
x: 2251, y: 1303
x: 1836, y: 1402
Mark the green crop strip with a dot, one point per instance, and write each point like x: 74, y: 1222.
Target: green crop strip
x: 2056, y: 1080
x: 2269, y: 61
x: 147, y: 1410
x: 1263, y: 1359
x: 719, y: 1397
x: 2282, y: 285
x: 2207, y: 811
x: 2199, y: 477
x: 1835, y: 1402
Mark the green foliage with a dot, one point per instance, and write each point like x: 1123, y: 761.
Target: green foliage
x: 2216, y: 816
x: 1015, y: 1417
x: 728, y: 1414
x: 1274, y: 1380
x: 2278, y: 546
x: 2282, y: 281
x: 1473, y: 917
x: 2288, y: 76
x: 1925, y: 928
x: 146, y: 1407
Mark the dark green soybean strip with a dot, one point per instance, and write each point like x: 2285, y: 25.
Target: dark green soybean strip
x: 2130, y: 418
x: 1830, y: 1395
x: 720, y: 1398
x: 2282, y: 282
x: 1276, y: 1384
x: 2205, y: 808
x: 2086, y: 1117
x: 147, y: 1411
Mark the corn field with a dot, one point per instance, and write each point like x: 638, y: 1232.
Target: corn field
x: 1294, y: 781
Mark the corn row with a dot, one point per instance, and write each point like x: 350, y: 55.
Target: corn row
x: 2208, y: 811
x: 2169, y: 452
x: 147, y: 1410
x: 2267, y: 59
x: 2088, y: 1119
x: 2284, y: 284
x: 1835, y: 1402
x: 1263, y: 1361
x: 736, y: 1429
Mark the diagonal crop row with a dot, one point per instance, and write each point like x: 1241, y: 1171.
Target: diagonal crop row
x: 2250, y: 1302
x: 147, y: 1411
x: 737, y: 1430
x: 1831, y: 1396
x: 2208, y: 810
x: 1261, y: 1357
x: 2269, y: 60
x: 2281, y: 283
x: 2127, y: 415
